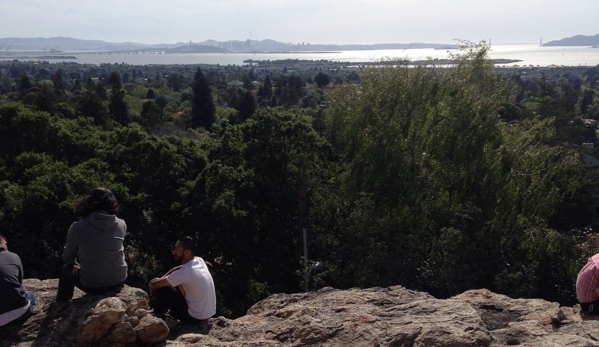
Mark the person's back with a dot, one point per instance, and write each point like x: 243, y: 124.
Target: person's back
x: 15, y: 301
x: 94, y: 254
x: 185, y: 291
x: 199, y: 288
x: 587, y: 283
x: 12, y: 292
x: 97, y: 244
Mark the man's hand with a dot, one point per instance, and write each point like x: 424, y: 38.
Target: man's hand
x: 76, y: 268
x: 157, y: 283
x: 151, y: 286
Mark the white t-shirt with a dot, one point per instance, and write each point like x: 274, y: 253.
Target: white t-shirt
x: 197, y: 283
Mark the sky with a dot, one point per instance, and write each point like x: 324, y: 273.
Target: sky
x: 297, y: 21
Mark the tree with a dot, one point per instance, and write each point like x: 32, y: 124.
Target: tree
x: 151, y: 113
x: 289, y: 90
x: 266, y: 90
x: 150, y: 94
x: 321, y: 79
x: 91, y: 103
x: 113, y: 78
x: 175, y: 81
x: 6, y: 84
x: 59, y: 84
x: 245, y: 201
x: 25, y: 83
x: 203, y: 111
x: 440, y: 190
x: 247, y: 106
x: 117, y: 106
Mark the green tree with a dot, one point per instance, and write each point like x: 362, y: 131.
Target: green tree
x: 442, y: 206
x: 59, y: 84
x: 113, y: 78
x: 203, y: 111
x: 150, y: 94
x: 117, y: 106
x: 175, y: 81
x: 266, y: 90
x: 245, y: 200
x: 151, y: 113
x: 25, y: 84
x: 6, y: 84
x: 247, y: 106
x: 92, y: 102
x: 321, y: 79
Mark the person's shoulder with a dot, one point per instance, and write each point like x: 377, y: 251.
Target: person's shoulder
x: 199, y: 263
x: 77, y: 225
x: 121, y: 222
x: 11, y: 256
x: 78, y: 222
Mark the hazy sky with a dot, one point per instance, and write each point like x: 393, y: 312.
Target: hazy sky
x: 296, y: 21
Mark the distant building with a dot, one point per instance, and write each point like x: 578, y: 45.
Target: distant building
x: 589, y: 160
x: 235, y: 84
x: 590, y: 123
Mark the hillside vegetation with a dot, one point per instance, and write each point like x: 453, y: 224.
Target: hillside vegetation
x: 440, y: 179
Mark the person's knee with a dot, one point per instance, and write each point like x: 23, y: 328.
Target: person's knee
x: 31, y: 297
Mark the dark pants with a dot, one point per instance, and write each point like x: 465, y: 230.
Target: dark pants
x: 590, y: 307
x: 27, y: 313
x: 68, y: 282
x: 166, y: 298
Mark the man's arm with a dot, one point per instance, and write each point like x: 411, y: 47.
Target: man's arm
x: 157, y: 283
x: 161, y: 282
x: 172, y: 270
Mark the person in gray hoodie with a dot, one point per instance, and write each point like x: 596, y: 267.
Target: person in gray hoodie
x: 94, y: 255
x: 16, y: 303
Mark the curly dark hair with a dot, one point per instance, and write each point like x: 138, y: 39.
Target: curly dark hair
x: 97, y: 199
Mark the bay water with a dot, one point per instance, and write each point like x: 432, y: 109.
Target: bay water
x: 528, y: 54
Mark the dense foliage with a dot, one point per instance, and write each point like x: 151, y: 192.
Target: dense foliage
x: 436, y: 178
x: 443, y: 195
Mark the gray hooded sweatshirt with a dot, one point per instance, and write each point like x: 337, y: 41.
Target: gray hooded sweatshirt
x: 96, y: 243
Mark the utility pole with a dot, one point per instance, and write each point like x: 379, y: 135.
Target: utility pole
x: 303, y: 211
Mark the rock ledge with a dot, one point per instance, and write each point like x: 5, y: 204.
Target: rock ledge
x: 393, y: 316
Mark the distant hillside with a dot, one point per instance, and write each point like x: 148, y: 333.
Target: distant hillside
x: 578, y: 40
x: 54, y: 44
x: 67, y: 43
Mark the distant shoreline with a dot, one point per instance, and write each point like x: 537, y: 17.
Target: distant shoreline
x: 500, y: 55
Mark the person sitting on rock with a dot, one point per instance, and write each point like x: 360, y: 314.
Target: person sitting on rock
x: 587, y: 286
x: 187, y: 289
x: 16, y: 303
x: 94, y: 255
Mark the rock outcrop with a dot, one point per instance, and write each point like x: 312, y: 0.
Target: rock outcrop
x: 393, y: 316
x: 117, y: 318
